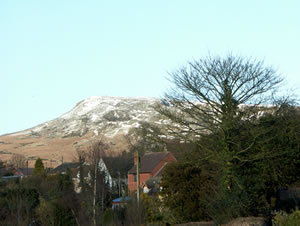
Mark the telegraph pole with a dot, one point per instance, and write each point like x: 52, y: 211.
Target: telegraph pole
x: 137, y: 177
x: 119, y: 184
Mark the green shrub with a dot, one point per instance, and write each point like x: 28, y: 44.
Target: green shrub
x: 108, y: 217
x: 283, y: 219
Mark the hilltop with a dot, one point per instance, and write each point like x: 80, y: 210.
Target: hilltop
x: 94, y: 118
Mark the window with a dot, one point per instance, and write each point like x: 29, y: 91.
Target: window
x: 134, y: 177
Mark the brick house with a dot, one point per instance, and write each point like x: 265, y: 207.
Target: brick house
x: 152, y: 164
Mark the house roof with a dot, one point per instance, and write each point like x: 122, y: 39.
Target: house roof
x: 121, y: 199
x: 64, y: 166
x: 16, y: 171
x: 26, y: 171
x: 289, y: 193
x: 86, y: 169
x: 149, y: 161
x: 2, y: 171
x: 160, y: 172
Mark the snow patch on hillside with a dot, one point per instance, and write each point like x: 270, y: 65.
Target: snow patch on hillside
x: 100, y: 115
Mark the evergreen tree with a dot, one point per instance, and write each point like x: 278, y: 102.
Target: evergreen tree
x: 186, y: 187
x: 39, y: 169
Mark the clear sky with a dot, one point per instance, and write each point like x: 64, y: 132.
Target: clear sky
x: 55, y: 53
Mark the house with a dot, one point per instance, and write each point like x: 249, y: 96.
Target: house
x: 288, y: 198
x: 23, y: 172
x: 10, y: 173
x: 74, y: 167
x: 15, y: 172
x: 152, y: 164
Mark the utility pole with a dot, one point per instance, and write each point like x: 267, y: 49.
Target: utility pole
x: 119, y: 185
x: 137, y: 177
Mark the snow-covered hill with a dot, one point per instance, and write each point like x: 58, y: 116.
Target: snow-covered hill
x: 109, y: 116
x: 95, y: 118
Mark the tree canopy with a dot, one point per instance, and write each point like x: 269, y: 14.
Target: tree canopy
x: 210, y: 93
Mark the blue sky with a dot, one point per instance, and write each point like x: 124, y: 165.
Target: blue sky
x: 55, y: 53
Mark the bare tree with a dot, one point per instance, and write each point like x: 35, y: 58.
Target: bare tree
x: 18, y: 161
x: 216, y: 95
x: 211, y: 91
x: 81, y: 157
x: 98, y: 178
